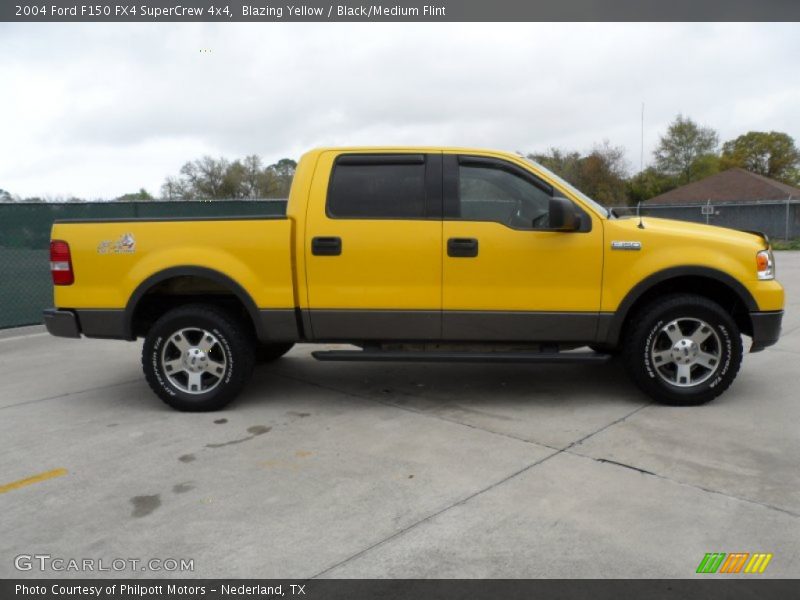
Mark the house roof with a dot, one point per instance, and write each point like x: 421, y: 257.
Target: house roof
x: 733, y: 185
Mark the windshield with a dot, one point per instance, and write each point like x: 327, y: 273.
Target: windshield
x: 571, y: 188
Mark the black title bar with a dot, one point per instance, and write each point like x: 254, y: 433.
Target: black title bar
x: 708, y: 588
x: 397, y: 10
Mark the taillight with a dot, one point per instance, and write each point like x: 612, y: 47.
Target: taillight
x: 61, y: 263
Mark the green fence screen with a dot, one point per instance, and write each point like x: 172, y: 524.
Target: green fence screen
x: 25, y: 284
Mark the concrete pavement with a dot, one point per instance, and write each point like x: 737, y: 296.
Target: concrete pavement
x: 398, y: 470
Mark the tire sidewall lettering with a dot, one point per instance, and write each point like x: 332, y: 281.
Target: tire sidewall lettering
x: 719, y: 376
x: 156, y: 362
x: 727, y: 355
x: 229, y: 354
x: 648, y: 363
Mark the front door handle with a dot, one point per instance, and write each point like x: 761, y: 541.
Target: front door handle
x: 462, y: 247
x: 326, y: 246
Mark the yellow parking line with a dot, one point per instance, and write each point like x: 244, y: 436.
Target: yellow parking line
x: 15, y: 485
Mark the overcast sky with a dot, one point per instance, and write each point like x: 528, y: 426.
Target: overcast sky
x: 98, y: 110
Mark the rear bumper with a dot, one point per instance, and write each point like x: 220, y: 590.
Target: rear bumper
x: 766, y: 329
x: 61, y: 323
x: 93, y: 323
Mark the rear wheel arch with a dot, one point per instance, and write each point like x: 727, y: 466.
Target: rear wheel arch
x: 142, y: 308
x: 709, y: 283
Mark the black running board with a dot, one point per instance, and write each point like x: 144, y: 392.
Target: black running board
x: 471, y: 357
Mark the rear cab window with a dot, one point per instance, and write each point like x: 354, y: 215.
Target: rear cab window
x: 385, y: 186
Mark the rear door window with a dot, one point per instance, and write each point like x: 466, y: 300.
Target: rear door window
x: 378, y: 187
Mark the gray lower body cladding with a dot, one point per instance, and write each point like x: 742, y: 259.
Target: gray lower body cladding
x: 292, y: 325
x: 431, y: 325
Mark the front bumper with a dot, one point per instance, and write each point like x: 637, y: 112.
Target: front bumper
x: 766, y: 329
x: 61, y: 323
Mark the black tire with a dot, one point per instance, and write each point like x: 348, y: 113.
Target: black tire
x: 266, y: 353
x: 654, y: 359
x: 179, y: 337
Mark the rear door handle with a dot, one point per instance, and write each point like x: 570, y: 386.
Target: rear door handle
x: 462, y: 247
x: 326, y: 246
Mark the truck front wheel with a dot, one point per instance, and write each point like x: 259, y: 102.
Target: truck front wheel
x: 683, y: 350
x: 197, y: 358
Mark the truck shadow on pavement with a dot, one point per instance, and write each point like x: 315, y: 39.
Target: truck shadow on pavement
x: 425, y: 385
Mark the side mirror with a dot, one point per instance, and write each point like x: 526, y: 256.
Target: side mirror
x: 564, y: 215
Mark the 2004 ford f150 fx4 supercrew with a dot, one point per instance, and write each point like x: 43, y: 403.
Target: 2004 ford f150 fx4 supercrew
x: 420, y: 254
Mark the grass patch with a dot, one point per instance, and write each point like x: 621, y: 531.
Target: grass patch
x: 786, y: 244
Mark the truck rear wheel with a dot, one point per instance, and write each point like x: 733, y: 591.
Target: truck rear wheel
x: 197, y: 358
x: 683, y: 350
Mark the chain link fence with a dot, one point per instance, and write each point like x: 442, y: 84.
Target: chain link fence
x: 778, y: 219
x: 25, y: 284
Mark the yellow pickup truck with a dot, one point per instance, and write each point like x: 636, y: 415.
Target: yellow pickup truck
x: 420, y: 254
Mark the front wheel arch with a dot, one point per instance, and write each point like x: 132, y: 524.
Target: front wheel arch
x: 712, y: 284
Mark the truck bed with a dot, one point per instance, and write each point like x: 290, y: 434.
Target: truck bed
x: 112, y: 258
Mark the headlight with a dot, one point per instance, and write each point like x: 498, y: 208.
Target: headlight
x: 765, y: 265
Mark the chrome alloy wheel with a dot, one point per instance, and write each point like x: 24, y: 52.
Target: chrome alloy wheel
x: 686, y: 352
x: 194, y: 360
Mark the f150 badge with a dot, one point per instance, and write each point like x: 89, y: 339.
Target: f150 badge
x: 626, y: 245
x: 126, y: 244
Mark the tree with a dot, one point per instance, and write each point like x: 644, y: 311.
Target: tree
x: 233, y: 181
x: 601, y: 174
x: 772, y: 154
x: 564, y: 163
x: 252, y: 177
x: 140, y: 196
x: 279, y: 177
x: 705, y: 165
x: 209, y: 178
x: 687, y: 151
x: 649, y: 183
x: 205, y: 176
x: 5, y: 196
x: 174, y: 188
x: 284, y: 168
